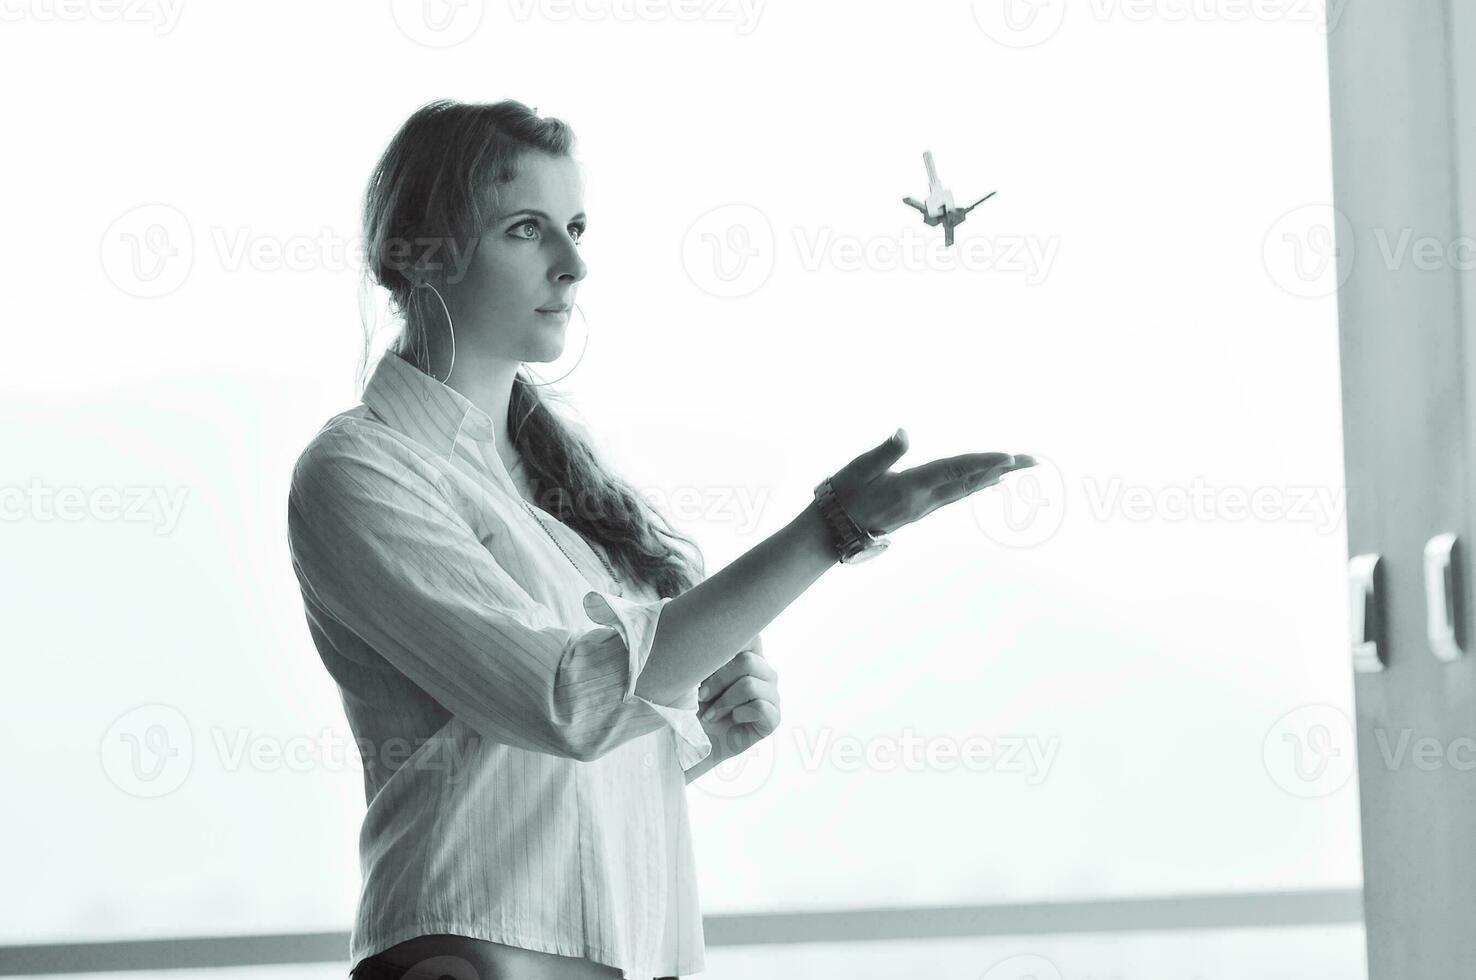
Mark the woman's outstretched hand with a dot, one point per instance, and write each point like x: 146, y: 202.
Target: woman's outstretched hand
x: 882, y: 501
x: 738, y: 704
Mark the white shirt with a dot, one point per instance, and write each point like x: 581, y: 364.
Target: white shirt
x: 518, y: 789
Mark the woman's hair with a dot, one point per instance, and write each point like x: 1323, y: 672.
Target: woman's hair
x: 436, y: 182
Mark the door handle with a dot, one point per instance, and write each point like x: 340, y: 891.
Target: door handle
x: 1363, y: 613
x: 1442, y: 586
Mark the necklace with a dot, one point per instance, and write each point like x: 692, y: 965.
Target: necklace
x: 619, y: 590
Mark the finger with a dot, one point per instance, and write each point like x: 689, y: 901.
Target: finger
x: 712, y: 714
x: 738, y: 739
x: 742, y: 694
x: 746, y: 663
x: 874, y: 461
x: 726, y: 674
x: 745, y: 688
x: 958, y: 489
x: 930, y: 476
x: 723, y: 703
x: 761, y: 714
x: 946, y: 480
x: 765, y: 690
x: 717, y: 681
x: 752, y: 665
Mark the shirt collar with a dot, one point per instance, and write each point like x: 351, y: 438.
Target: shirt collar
x: 414, y: 403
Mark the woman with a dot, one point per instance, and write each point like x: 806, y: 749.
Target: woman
x: 520, y: 648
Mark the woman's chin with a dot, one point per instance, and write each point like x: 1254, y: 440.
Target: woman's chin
x: 547, y: 343
x: 546, y: 353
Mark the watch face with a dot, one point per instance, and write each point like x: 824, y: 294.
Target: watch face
x: 869, y: 552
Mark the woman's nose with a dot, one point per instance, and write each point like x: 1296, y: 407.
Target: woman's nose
x: 570, y: 266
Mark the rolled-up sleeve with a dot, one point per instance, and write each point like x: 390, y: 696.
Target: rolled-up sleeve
x: 636, y: 622
x: 377, y: 545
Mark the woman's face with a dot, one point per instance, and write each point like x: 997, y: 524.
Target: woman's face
x: 527, y: 260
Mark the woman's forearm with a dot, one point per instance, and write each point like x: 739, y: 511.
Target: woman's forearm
x: 706, y: 626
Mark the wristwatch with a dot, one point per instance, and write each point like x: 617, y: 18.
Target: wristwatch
x: 852, y: 542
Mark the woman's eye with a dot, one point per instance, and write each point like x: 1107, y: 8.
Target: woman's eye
x: 533, y: 223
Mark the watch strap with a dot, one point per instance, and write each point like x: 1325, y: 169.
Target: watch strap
x: 848, y: 538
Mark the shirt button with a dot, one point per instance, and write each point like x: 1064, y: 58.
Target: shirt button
x: 650, y: 759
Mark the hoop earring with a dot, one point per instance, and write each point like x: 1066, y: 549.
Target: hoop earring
x: 540, y: 384
x: 449, y: 326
